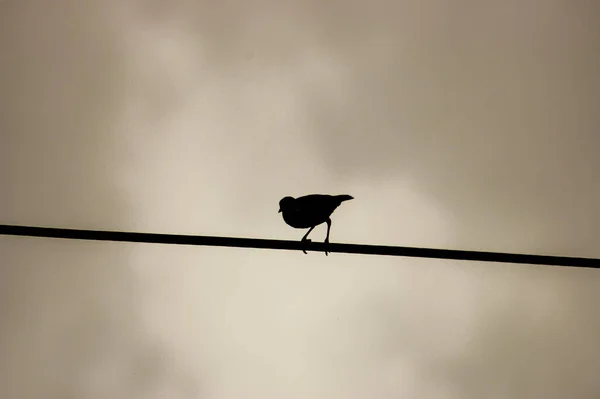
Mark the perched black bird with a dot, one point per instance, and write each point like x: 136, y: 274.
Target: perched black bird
x: 310, y: 211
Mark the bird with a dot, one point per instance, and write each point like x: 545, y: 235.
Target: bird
x: 309, y: 211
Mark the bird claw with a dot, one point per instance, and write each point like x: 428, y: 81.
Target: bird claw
x: 306, y: 240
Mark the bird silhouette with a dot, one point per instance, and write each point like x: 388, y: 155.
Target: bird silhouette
x: 309, y: 211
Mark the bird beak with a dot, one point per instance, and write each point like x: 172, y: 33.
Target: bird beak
x: 279, y: 211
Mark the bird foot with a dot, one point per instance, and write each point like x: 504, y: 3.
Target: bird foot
x: 326, y: 244
x: 305, y: 240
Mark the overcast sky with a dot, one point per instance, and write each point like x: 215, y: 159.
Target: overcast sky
x: 469, y: 125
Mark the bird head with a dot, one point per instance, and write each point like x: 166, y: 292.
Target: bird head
x: 285, y: 203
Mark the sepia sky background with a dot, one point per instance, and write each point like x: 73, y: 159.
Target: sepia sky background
x: 463, y: 124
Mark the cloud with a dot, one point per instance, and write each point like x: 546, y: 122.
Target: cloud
x: 70, y: 326
x: 446, y: 123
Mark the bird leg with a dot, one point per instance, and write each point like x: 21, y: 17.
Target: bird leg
x: 327, y: 237
x: 304, y: 239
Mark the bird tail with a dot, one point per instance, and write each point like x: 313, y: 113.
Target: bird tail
x: 344, y: 197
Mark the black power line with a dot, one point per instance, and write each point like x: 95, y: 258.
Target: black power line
x: 177, y: 239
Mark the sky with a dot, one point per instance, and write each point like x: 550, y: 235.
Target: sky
x: 467, y: 125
